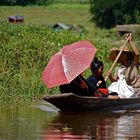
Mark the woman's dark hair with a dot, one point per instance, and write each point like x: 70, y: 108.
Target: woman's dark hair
x: 96, y: 64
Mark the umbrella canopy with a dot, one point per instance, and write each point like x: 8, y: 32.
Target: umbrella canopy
x: 68, y: 63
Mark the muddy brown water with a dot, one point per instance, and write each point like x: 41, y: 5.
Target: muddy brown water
x: 41, y: 121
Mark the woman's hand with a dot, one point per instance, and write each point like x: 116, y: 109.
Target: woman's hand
x: 83, y: 84
x: 99, y: 83
x: 110, y: 76
x: 127, y: 35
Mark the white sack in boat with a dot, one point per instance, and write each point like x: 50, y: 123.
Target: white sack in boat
x: 121, y: 87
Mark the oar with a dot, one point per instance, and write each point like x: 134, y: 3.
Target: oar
x: 136, y: 52
x: 118, y: 56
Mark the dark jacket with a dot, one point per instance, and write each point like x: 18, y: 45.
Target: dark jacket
x: 92, y: 81
x: 74, y: 87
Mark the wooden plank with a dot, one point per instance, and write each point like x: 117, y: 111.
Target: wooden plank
x: 128, y: 27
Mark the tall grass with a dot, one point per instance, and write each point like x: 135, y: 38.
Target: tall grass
x: 25, y: 51
x: 72, y: 1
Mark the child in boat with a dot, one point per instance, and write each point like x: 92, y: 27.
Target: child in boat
x: 78, y: 86
x: 96, y: 80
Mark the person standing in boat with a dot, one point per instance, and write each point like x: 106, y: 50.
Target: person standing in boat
x: 96, y: 79
x: 78, y: 86
x: 130, y: 61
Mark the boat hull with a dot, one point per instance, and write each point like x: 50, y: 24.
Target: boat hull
x: 72, y: 102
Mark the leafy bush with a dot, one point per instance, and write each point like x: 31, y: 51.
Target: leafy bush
x: 24, y: 52
x: 108, y: 13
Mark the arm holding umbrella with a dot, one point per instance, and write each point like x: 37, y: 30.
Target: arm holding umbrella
x: 82, y: 83
x: 78, y: 86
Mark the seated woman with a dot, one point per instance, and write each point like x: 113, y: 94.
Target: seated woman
x: 96, y: 80
x: 130, y: 61
x: 78, y: 86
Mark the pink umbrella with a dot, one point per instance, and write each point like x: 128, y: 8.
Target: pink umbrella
x: 68, y: 63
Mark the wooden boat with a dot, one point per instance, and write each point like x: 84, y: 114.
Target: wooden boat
x: 72, y: 102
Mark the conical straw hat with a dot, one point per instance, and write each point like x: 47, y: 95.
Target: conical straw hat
x: 115, y: 51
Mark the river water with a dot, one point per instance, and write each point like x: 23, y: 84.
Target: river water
x: 41, y: 121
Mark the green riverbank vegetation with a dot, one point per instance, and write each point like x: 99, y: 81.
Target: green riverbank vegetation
x: 26, y: 48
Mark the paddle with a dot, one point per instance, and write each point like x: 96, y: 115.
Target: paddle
x: 136, y: 52
x: 118, y: 56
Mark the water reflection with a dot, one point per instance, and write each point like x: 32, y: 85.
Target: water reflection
x: 23, y: 121
x: 93, y: 126
x: 40, y: 121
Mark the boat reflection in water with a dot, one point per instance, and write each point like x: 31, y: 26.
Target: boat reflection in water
x: 93, y: 126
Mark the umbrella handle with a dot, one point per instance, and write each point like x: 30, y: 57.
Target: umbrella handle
x: 118, y: 56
